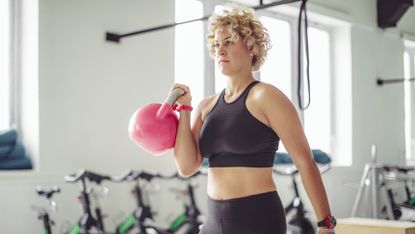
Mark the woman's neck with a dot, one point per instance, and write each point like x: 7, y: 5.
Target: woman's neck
x: 237, y: 84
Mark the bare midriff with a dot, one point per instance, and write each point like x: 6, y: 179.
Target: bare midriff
x: 235, y: 182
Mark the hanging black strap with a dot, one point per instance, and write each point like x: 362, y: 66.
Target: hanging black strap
x: 303, y: 10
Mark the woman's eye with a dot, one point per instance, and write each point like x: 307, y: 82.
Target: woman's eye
x: 228, y: 43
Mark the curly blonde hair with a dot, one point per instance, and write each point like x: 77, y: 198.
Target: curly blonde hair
x: 241, y: 20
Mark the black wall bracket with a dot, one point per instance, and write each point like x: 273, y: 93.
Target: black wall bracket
x: 116, y: 37
x: 381, y: 81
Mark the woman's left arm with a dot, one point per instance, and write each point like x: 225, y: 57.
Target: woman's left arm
x: 284, y: 120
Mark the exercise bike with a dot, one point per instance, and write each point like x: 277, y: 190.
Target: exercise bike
x: 43, y: 212
x: 141, y: 219
x: 298, y: 223
x: 395, y: 180
x: 89, y: 222
x: 191, y: 219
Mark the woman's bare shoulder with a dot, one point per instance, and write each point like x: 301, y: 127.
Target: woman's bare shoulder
x: 207, y: 104
x: 268, y: 92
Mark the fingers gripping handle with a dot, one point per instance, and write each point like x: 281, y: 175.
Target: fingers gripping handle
x: 168, y: 103
x: 173, y: 96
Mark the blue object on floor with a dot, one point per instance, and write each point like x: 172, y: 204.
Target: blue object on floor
x: 319, y: 156
x: 12, y: 152
x: 8, y: 136
x: 282, y: 158
x: 16, y: 164
x: 5, y: 150
x: 18, y: 151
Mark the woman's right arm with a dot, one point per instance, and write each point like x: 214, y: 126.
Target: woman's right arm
x: 186, y: 150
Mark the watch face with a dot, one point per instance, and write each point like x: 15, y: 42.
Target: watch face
x: 329, y: 222
x: 333, y: 221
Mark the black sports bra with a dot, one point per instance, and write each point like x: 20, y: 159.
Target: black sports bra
x: 231, y: 136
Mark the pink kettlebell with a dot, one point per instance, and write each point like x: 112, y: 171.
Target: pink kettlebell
x: 154, y: 127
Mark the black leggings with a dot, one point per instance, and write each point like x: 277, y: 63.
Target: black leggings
x: 256, y: 214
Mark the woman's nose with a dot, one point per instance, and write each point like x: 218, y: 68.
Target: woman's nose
x: 221, y: 50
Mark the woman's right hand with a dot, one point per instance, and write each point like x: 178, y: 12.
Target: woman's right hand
x: 186, y: 98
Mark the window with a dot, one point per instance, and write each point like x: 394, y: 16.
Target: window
x: 409, y: 72
x: 327, y: 121
x: 277, y: 68
x: 324, y: 126
x: 16, y: 148
x: 317, y: 117
x: 278, y: 65
x: 277, y: 71
x: 189, y: 48
x: 5, y: 55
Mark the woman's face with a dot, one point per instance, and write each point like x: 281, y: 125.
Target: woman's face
x: 233, y: 57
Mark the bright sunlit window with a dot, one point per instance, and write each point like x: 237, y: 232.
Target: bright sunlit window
x: 277, y: 68
x: 5, y: 65
x: 189, y: 48
x: 317, y: 117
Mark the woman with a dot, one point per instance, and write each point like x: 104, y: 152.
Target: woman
x: 238, y: 130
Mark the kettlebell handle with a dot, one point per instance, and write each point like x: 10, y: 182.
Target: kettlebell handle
x: 167, y: 106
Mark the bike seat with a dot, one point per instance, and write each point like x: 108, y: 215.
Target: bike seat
x: 47, y: 191
x: 84, y: 174
x: 129, y: 175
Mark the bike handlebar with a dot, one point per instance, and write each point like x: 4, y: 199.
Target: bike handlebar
x: 84, y: 174
x: 132, y: 175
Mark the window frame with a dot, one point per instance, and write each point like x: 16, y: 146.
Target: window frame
x: 8, y: 45
x: 409, y: 47
x: 14, y: 62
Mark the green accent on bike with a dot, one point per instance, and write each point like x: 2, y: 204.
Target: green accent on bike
x: 46, y: 232
x: 126, y: 224
x: 75, y: 230
x: 178, y: 222
x: 412, y: 201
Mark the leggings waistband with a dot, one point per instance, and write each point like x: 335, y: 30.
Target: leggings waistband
x: 239, y: 206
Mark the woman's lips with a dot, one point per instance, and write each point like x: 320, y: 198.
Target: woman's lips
x: 223, y: 61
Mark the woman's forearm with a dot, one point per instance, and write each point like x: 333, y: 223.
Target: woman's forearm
x: 313, y: 185
x: 185, y: 149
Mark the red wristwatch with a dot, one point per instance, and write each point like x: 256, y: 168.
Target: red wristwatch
x: 181, y: 107
x: 329, y: 222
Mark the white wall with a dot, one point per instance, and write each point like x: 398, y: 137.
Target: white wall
x: 88, y: 89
